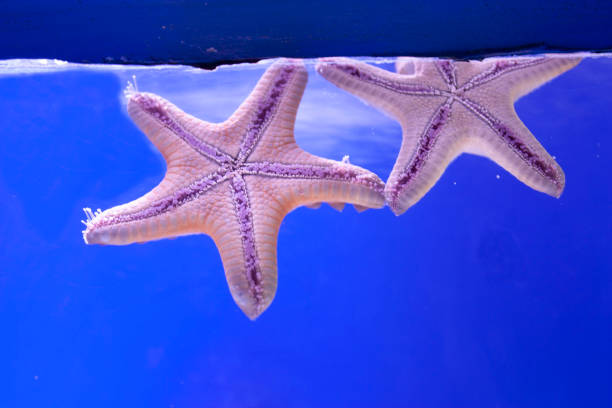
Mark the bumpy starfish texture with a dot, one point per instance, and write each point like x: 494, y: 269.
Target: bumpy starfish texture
x: 234, y: 181
x: 446, y: 108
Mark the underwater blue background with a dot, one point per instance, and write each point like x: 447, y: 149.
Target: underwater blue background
x: 486, y: 293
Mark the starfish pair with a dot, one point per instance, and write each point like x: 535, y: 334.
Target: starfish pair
x: 236, y: 180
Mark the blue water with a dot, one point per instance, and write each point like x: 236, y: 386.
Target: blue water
x: 484, y: 294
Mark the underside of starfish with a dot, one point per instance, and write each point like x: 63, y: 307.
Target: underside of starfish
x: 446, y: 108
x: 234, y: 181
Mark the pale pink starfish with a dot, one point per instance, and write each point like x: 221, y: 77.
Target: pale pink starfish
x: 446, y: 108
x: 234, y: 181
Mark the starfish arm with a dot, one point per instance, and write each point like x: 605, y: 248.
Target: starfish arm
x: 248, y: 253
x: 512, y: 77
x: 429, y: 144
x: 270, y: 109
x: 321, y: 181
x: 500, y: 135
x: 385, y: 90
x: 171, y: 130
x: 164, y: 212
x: 540, y: 74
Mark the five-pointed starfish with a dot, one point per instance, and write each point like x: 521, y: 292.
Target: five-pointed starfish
x: 446, y: 108
x: 234, y: 181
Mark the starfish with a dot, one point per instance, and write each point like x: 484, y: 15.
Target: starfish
x: 446, y: 108
x: 234, y: 181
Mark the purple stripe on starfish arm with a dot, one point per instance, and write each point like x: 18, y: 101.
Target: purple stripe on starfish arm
x: 305, y: 171
x: 154, y: 108
x: 179, y: 198
x: 395, y: 86
x: 448, y: 71
x: 516, y: 144
x: 500, y: 68
x: 265, y: 112
x: 247, y: 234
x: 426, y: 142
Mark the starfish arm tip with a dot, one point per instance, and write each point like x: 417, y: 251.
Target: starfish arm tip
x: 558, y: 191
x: 252, y: 305
x: 396, y: 210
x: 395, y: 204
